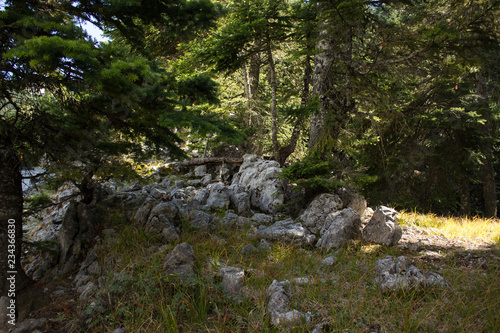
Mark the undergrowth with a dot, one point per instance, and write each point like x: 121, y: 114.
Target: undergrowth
x: 139, y: 295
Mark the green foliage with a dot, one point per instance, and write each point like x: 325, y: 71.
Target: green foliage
x: 313, y: 175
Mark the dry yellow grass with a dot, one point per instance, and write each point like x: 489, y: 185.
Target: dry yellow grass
x: 470, y: 228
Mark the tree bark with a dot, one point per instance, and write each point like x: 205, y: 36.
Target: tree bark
x: 11, y: 217
x: 290, y: 148
x: 487, y: 168
x: 465, y: 202
x: 274, y: 112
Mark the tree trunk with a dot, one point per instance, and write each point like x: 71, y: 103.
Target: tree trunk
x: 290, y: 148
x: 11, y: 225
x: 322, y: 86
x: 487, y: 169
x: 274, y: 112
x: 465, y: 202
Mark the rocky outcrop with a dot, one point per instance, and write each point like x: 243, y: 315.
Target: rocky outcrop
x: 339, y: 228
x: 76, y: 234
x: 399, y: 273
x: 287, y: 231
x: 164, y: 219
x: 316, y: 213
x: 383, y: 227
x: 261, y: 179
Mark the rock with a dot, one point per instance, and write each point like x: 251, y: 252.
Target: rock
x: 398, y: 273
x: 200, y: 170
x: 260, y: 218
x: 279, y: 300
x: 339, y: 228
x: 352, y: 200
x: 218, y: 197
x: 141, y: 216
x: 287, y: 231
x: 315, y: 215
x: 81, y: 280
x: 243, y: 221
x: 201, y: 220
x: 229, y: 219
x: 4, y: 311
x: 30, y: 325
x: 264, y: 245
x: 120, y: 330
x: 201, y: 196
x: 87, y: 292
x: 261, y: 179
x: 329, y: 261
x: 278, y: 305
x: 207, y: 179
x: 232, y: 280
x: 194, y: 182
x: 158, y: 193
x: 383, y: 227
x: 248, y: 249
x: 181, y: 261
x: 164, y: 219
x: 240, y: 198
x: 76, y: 234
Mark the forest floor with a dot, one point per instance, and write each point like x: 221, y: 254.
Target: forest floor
x: 341, y: 297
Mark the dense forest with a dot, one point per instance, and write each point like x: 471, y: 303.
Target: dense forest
x: 399, y: 99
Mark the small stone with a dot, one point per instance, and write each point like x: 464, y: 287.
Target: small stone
x: 248, y: 249
x: 329, y: 261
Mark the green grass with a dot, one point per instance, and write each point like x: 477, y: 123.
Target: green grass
x: 146, y: 299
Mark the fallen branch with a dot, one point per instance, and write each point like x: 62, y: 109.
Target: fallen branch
x: 210, y: 160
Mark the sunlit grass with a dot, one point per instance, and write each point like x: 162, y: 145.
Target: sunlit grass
x: 470, y: 228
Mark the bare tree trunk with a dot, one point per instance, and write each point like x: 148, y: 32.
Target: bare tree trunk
x: 274, y: 111
x: 290, y: 148
x: 465, y: 202
x: 12, y: 276
x: 487, y: 169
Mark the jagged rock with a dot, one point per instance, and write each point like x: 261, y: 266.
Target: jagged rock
x: 87, y: 291
x: 240, y: 198
x: 315, y: 215
x: 243, y: 221
x: 181, y: 261
x: 339, y: 228
x: 30, y: 325
x: 81, y: 280
x: 158, y: 193
x: 260, y: 218
x: 207, y: 179
x: 261, y: 179
x: 229, y: 219
x: 194, y: 182
x: 222, y: 172
x: 278, y: 305
x: 232, y: 280
x: 398, y: 273
x: 279, y: 300
x: 200, y: 170
x: 200, y: 198
x: 164, y: 219
x: 383, y: 227
x: 141, y: 216
x: 353, y: 200
x: 201, y: 220
x: 76, y: 234
x: 218, y: 197
x: 288, y: 231
x: 264, y: 245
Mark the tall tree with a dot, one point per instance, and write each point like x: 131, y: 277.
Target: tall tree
x: 56, y: 82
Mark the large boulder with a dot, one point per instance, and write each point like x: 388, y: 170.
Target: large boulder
x: 240, y: 198
x: 383, y: 227
x: 352, y: 200
x: 315, y: 215
x: 261, y: 179
x: 339, y: 228
x: 286, y: 231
